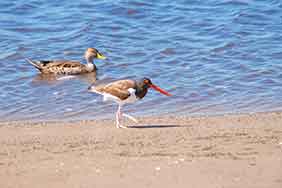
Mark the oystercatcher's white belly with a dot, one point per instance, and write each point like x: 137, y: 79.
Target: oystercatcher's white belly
x: 131, y: 99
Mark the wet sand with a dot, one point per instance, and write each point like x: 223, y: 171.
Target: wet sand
x: 221, y: 151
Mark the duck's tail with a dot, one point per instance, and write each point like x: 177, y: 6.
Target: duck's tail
x: 34, y: 63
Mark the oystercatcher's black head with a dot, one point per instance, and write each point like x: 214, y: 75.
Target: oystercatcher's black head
x: 146, y: 83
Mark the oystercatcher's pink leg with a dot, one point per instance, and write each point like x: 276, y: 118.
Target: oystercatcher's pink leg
x: 130, y: 117
x: 118, y: 118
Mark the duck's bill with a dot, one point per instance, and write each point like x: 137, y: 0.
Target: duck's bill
x: 160, y: 90
x: 100, y: 56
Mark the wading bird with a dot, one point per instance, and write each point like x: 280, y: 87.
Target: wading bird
x: 125, y: 91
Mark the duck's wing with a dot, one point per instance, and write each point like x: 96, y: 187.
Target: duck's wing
x: 58, y: 66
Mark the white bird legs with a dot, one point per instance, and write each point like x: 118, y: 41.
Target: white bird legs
x: 119, y: 114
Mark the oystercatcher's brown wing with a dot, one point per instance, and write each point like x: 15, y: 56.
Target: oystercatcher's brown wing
x: 118, y: 88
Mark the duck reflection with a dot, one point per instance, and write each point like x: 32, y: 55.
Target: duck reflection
x: 51, y: 79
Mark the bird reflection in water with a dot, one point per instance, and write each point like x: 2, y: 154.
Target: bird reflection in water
x: 51, y: 79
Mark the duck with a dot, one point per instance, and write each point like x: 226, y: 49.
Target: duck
x: 125, y: 91
x: 68, y: 67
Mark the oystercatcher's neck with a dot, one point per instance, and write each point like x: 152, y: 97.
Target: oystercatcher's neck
x: 141, y: 89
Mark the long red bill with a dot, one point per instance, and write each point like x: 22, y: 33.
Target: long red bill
x: 160, y: 90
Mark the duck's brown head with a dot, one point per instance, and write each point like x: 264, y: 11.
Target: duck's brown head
x: 92, y: 53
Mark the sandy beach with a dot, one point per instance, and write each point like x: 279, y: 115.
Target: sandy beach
x: 173, y: 151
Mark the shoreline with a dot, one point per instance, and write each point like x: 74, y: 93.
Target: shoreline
x: 157, y: 116
x: 231, y: 150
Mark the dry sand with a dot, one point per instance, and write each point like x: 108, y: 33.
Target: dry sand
x: 224, y: 151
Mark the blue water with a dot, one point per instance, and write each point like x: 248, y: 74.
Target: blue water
x: 214, y: 56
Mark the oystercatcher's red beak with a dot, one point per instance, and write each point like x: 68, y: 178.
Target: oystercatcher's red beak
x: 160, y: 90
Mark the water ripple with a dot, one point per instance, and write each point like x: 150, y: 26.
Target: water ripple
x: 214, y: 56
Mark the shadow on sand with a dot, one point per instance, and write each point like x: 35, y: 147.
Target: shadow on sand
x: 154, y: 126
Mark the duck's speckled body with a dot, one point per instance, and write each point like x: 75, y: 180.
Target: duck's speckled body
x: 69, y: 67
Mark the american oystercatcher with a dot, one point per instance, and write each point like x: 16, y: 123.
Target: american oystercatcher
x: 69, y: 67
x: 125, y: 91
